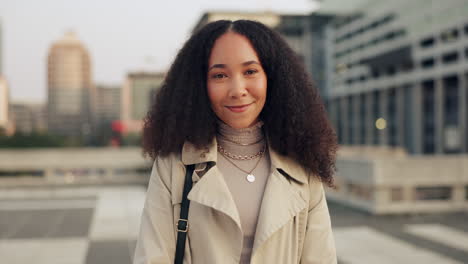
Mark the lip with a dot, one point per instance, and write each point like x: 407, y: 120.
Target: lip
x: 239, y: 108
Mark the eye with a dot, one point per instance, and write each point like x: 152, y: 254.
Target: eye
x: 251, y: 72
x: 218, y: 75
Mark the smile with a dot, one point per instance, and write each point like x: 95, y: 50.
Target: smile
x: 239, y: 108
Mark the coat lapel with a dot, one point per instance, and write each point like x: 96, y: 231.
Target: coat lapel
x: 281, y: 201
x: 211, y: 189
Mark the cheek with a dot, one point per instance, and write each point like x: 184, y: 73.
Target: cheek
x: 260, y: 90
x: 215, y: 94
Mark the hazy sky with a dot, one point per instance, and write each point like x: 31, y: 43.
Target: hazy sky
x: 121, y: 36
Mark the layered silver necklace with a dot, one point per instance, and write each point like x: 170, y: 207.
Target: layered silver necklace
x: 244, y: 137
x: 249, y: 177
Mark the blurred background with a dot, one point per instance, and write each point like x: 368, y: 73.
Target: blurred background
x: 77, y: 78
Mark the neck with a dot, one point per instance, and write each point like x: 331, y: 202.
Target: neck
x: 242, y: 136
x: 245, y: 141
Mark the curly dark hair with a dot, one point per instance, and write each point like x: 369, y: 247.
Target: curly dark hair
x: 294, y: 116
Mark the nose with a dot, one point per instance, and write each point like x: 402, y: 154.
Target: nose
x: 238, y: 88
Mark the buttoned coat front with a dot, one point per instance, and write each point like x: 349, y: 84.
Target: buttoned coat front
x: 293, y: 224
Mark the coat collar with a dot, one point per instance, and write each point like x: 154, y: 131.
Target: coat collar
x: 194, y: 155
x: 281, y: 201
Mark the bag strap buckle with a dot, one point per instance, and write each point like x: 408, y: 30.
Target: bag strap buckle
x: 182, y: 225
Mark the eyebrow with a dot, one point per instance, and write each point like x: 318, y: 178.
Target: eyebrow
x: 222, y: 66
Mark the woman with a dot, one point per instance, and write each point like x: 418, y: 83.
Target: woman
x: 239, y: 105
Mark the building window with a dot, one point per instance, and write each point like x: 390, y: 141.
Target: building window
x: 427, y: 63
x: 451, y: 140
x: 387, y: 19
x: 466, y: 192
x: 351, y: 120
x: 450, y: 57
x: 389, y: 36
x: 374, y: 41
x: 466, y: 29
x: 427, y: 42
x: 391, y: 70
x: 339, y: 119
x: 362, y: 118
x: 392, y: 118
x: 376, y: 113
x: 428, y: 122
x: 375, y: 73
x: 359, y: 190
x: 466, y: 52
x: 433, y: 193
x: 373, y: 25
x: 407, y: 66
x: 450, y: 84
x: 400, y: 33
x: 408, y: 117
x: 396, y: 194
x: 449, y: 35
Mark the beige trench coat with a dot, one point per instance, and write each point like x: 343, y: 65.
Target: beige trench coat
x: 293, y: 224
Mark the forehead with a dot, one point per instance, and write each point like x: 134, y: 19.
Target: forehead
x: 232, y: 48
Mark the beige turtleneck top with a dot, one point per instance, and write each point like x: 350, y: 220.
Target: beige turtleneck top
x: 247, y: 195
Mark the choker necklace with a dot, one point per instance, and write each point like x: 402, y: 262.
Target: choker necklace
x: 250, y: 177
x: 241, y: 157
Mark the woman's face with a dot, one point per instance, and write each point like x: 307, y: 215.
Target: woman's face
x: 236, y: 81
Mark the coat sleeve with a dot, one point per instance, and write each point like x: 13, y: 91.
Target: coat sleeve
x: 319, y: 244
x: 156, y: 241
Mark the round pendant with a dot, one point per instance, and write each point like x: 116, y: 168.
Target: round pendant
x: 250, y: 178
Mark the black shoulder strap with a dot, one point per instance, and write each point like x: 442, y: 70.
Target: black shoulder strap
x: 182, y: 224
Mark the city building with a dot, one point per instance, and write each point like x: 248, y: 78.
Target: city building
x: 136, y: 98
x: 396, y: 92
x: 28, y: 117
x: 4, y: 94
x: 70, y: 88
x: 4, y: 100
x: 399, y: 75
x: 107, y: 114
x: 292, y: 28
x: 306, y: 36
x: 1, y: 49
x: 108, y: 102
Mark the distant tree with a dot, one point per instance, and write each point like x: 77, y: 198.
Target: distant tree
x: 131, y: 139
x: 103, y: 134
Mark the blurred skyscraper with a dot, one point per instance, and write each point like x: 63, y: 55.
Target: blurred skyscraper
x: 28, y: 118
x: 1, y: 49
x: 4, y: 93
x: 399, y: 74
x: 70, y: 88
x: 3, y: 104
x: 137, y: 95
x: 305, y: 34
x: 107, y: 104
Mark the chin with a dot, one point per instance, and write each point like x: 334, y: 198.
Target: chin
x: 240, y: 125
